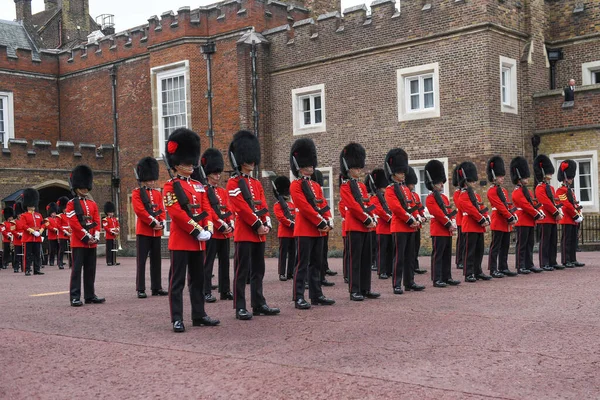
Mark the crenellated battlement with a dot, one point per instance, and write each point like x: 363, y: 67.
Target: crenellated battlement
x: 24, y: 60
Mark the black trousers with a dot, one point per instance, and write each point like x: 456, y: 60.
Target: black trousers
x: 498, y: 255
x: 148, y: 246
x: 287, y: 256
x: 473, y: 253
x: 325, y: 262
x: 310, y: 260
x: 217, y: 248
x: 33, y: 256
x: 359, y: 258
x: 18, y: 258
x: 345, y: 262
x: 84, y: 259
x: 460, y: 243
x: 52, y: 251
x: 373, y: 247
x: 548, y: 244
x: 524, y: 252
x: 404, y: 257
x: 111, y: 254
x: 249, y: 258
x: 568, y: 244
x: 63, y: 248
x: 385, y: 254
x: 417, y: 248
x: 8, y: 254
x: 190, y: 264
x: 441, y: 258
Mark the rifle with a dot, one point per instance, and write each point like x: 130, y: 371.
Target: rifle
x: 83, y: 219
x: 215, y: 204
x: 245, y: 190
x: 182, y: 198
x: 399, y: 193
x: 380, y: 197
x: 357, y: 194
x: 502, y: 197
x: 309, y: 194
x: 439, y: 200
x: 145, y: 199
x: 283, y: 204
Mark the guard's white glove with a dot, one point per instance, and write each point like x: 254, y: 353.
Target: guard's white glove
x: 427, y: 214
x: 268, y: 222
x: 579, y: 219
x: 203, y: 236
x: 97, y: 236
x: 232, y: 224
x: 454, y: 226
x: 330, y: 222
x: 36, y: 234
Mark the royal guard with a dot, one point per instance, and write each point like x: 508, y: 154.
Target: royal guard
x: 460, y: 239
x: 212, y: 164
x: 285, y: 212
x: 111, y: 227
x: 33, y: 228
x: 191, y: 226
x: 360, y: 219
x: 64, y: 234
x: 419, y: 214
x: 572, y: 214
x: 313, y: 222
x: 474, y: 223
x: 442, y: 225
x: 385, y: 242
x: 7, y: 237
x: 527, y: 214
x: 148, y: 206
x: 52, y: 223
x: 404, y: 225
x: 544, y: 192
x: 342, y: 210
x: 84, y: 220
x: 372, y: 231
x: 17, y: 230
x: 503, y: 219
x: 317, y: 176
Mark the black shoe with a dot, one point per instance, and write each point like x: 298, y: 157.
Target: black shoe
x: 214, y: 287
x: 61, y: 267
x: 325, y: 282
x: 452, y: 282
x: 76, y: 303
x: 508, y: 272
x: 226, y: 296
x: 356, y: 297
x: 459, y: 266
x: 265, y: 310
x: 16, y: 271
x: 160, y: 292
x: 330, y: 272
x: 497, y: 274
x: 557, y: 266
x: 371, y: 295
x: 483, y: 277
x: 117, y: 263
x: 569, y: 265
x: 413, y: 286
x: 398, y: 290
x: 243, y: 314
x: 547, y: 268
x: 205, y: 321
x: 178, y: 326
x: 439, y: 284
x: 578, y: 264
x: 322, y: 300
x: 38, y: 273
x: 27, y: 273
x: 420, y: 271
x: 209, y: 298
x: 384, y: 276
x: 523, y: 271
x: 290, y: 277
x: 373, y: 267
x: 282, y: 278
x: 536, y: 270
x: 109, y: 264
x: 346, y: 280
x: 141, y: 294
x: 302, y: 304
x: 95, y: 300
x: 470, y: 278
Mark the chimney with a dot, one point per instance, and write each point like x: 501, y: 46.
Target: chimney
x: 50, y: 4
x: 23, y: 10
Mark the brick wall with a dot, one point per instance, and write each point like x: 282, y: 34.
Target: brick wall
x: 550, y: 115
x: 565, y: 24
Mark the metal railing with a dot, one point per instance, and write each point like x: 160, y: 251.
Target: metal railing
x: 589, y: 230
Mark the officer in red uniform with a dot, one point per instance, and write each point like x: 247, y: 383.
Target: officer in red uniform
x: 342, y: 209
x: 419, y: 214
x: 84, y: 221
x: 252, y: 224
x: 33, y: 228
x: 317, y: 176
x: 111, y: 228
x: 404, y: 225
x: 7, y: 237
x: 442, y: 225
x: 503, y: 219
x: 17, y: 230
x: 475, y: 220
x: 313, y: 222
x: 572, y: 214
x: 544, y: 192
x: 52, y: 223
x: 460, y: 240
x: 64, y: 234
x: 285, y: 212
x: 148, y: 207
x: 527, y: 214
x: 359, y: 220
x: 218, y: 245
x: 373, y: 231
x: 384, y: 242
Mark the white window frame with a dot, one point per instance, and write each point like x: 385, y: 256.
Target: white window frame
x: 588, y: 206
x: 419, y: 165
x: 299, y: 128
x: 8, y: 104
x: 403, y: 76
x: 512, y: 105
x: 330, y: 171
x: 587, y: 70
x: 158, y: 74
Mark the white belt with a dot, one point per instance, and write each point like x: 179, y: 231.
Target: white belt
x: 464, y: 214
x: 519, y: 209
x: 494, y: 209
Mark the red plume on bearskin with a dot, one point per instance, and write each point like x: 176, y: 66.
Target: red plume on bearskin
x: 381, y: 180
x: 7, y: 213
x: 542, y: 166
x: 495, y: 164
x: 62, y: 203
x: 469, y: 170
x: 567, y: 170
x: 52, y: 208
x: 212, y: 161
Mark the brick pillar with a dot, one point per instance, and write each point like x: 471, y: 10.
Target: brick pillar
x: 23, y: 10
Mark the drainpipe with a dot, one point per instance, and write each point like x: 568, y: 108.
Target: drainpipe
x: 255, y: 115
x: 208, y: 49
x: 116, y: 180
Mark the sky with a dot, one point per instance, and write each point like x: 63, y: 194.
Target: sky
x: 129, y: 13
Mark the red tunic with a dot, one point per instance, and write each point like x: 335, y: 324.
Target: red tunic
x: 18, y: 232
x: 286, y: 226
x: 223, y: 197
x: 342, y: 209
x: 501, y: 215
x: 473, y: 215
x: 548, y: 205
x: 384, y: 219
x: 6, y: 232
x: 79, y: 234
x: 110, y: 226
x: 440, y: 224
x: 64, y: 226
x: 52, y: 227
x: 246, y: 220
x: 35, y: 221
x: 145, y: 222
x: 569, y: 210
x: 401, y: 219
x: 525, y: 210
x: 455, y: 197
x: 355, y: 216
x: 307, y: 218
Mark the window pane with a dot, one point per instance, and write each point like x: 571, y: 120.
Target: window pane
x: 318, y: 118
x: 584, y: 167
x: 428, y: 100
x: 414, y: 102
x: 428, y: 85
x: 595, y: 77
x: 504, y: 96
x: 306, y: 104
x: 306, y: 117
x: 317, y: 100
x: 414, y: 86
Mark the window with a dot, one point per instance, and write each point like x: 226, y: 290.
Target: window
x: 585, y: 183
x: 308, y: 108
x: 420, y: 188
x: 591, y: 73
x: 508, y: 86
x: 418, y: 92
x: 6, y: 118
x: 171, y: 99
x: 328, y: 186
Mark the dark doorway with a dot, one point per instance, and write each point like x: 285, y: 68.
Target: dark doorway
x: 50, y: 194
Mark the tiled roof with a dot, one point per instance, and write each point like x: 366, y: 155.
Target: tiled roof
x: 13, y: 36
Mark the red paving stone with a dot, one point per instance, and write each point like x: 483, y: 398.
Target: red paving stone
x: 529, y: 337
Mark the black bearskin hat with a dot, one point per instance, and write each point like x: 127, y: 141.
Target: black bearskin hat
x: 8, y: 213
x: 434, y: 169
x: 495, y: 164
x: 109, y: 207
x: 183, y: 147
x: 371, y: 189
x: 31, y: 198
x: 381, y: 181
x: 317, y: 176
x: 212, y: 161
x: 354, y: 155
x: 519, y: 169
x: 282, y: 184
x: 52, y: 208
x: 469, y: 170
x: 411, y: 177
x: 246, y: 149
x: 147, y: 169
x: 340, y: 180
x: 455, y: 180
x: 82, y: 177
x: 305, y: 153
x: 542, y: 166
x: 566, y: 170
x: 18, y: 207
x: 62, y: 203
x: 397, y: 159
